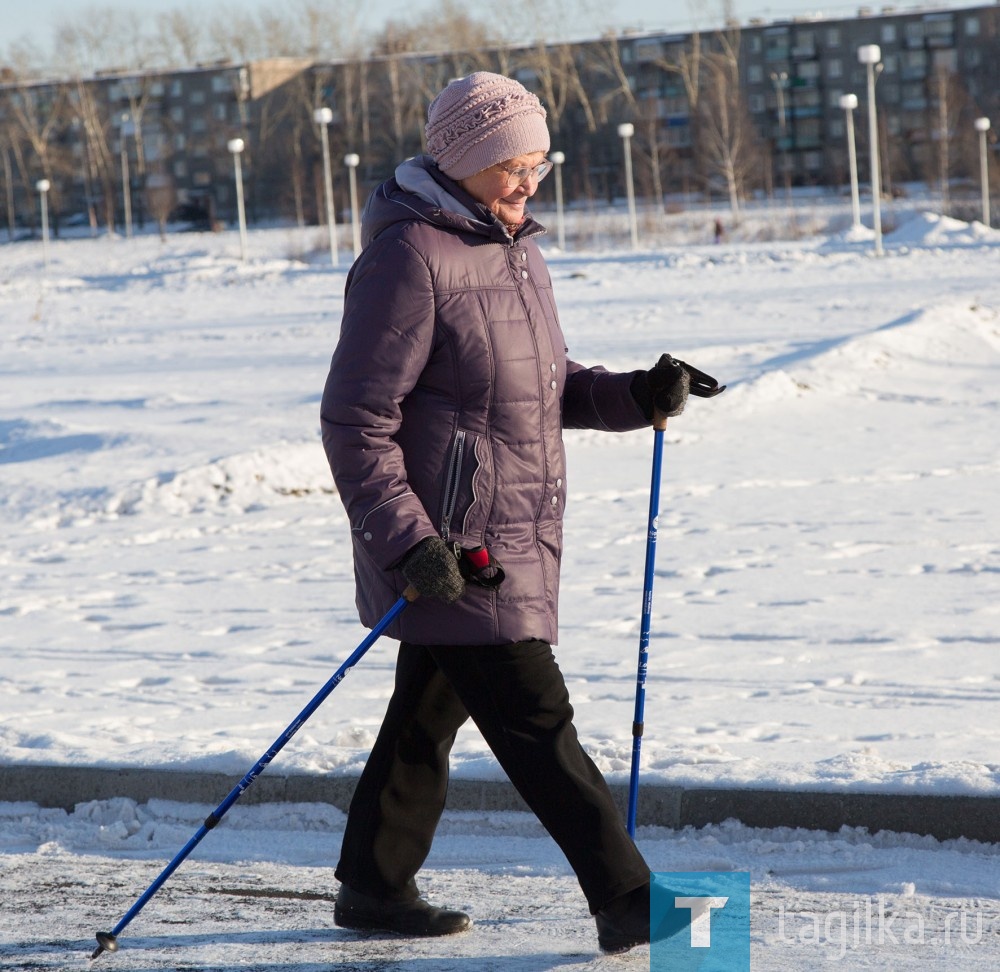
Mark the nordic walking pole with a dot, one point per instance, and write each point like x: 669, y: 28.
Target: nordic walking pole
x: 659, y: 426
x: 108, y: 941
x: 702, y: 386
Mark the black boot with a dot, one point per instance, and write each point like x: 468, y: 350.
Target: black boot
x: 415, y: 917
x: 623, y: 922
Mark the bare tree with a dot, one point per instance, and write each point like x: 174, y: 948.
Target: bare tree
x: 98, y: 39
x: 727, y: 137
x: 180, y: 38
x: 161, y: 198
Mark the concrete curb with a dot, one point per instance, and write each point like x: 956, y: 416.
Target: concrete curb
x: 943, y: 817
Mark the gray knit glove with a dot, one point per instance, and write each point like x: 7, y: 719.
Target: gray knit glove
x: 432, y: 570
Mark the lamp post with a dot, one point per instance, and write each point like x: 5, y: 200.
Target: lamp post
x: 126, y: 128
x: 43, y: 186
x: 983, y: 126
x: 625, y: 131
x: 323, y: 117
x: 870, y: 55
x: 779, y: 80
x: 557, y: 159
x: 849, y: 102
x: 352, y: 160
x: 236, y: 146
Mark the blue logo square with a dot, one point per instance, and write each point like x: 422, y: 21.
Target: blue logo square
x: 699, y: 921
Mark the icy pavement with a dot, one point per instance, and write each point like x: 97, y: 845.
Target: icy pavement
x: 258, y: 894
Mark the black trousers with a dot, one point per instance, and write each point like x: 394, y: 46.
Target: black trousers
x: 517, y: 697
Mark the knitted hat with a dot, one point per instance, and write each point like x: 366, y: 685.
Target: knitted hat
x: 481, y: 120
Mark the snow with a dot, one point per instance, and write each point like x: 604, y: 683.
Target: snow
x: 177, y: 584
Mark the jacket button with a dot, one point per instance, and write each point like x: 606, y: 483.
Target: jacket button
x: 554, y: 385
x: 367, y: 535
x: 524, y: 274
x: 552, y: 367
x: 558, y: 482
x: 555, y: 500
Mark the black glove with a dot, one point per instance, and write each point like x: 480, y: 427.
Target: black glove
x: 432, y: 570
x: 665, y: 387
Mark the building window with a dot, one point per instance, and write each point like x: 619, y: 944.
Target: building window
x: 914, y: 33
x: 971, y: 26
x: 835, y: 68
x: 888, y: 33
x: 833, y: 37
x: 755, y: 74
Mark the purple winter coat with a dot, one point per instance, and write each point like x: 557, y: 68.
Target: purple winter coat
x: 444, y: 408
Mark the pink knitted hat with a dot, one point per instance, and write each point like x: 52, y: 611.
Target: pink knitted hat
x: 481, y: 120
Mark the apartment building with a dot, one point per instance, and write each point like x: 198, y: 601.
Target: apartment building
x: 757, y: 105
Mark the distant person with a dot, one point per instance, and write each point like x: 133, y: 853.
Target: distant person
x: 720, y: 231
x: 442, y: 420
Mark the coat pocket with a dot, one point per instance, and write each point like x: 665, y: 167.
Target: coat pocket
x: 460, y: 493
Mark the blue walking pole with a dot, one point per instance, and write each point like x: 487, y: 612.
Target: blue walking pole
x: 659, y: 426
x: 702, y: 386
x: 108, y: 941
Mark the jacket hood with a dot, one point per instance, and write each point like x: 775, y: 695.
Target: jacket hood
x: 420, y: 190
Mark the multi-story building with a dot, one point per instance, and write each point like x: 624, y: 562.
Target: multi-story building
x: 749, y: 108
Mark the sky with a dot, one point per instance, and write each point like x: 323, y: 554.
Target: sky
x: 35, y: 20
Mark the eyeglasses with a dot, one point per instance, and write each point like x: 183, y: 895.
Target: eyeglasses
x: 520, y: 175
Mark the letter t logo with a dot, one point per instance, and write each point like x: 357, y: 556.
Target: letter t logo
x: 701, y: 918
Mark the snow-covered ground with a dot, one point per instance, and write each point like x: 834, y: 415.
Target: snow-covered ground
x: 177, y: 582
x: 258, y: 894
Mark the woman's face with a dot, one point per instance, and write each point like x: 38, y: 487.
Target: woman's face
x: 490, y: 187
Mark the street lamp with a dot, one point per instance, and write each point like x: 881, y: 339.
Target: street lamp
x: 557, y: 159
x: 849, y: 102
x: 983, y: 126
x: 870, y: 55
x: 236, y: 146
x: 779, y: 80
x: 625, y: 132
x: 43, y: 186
x: 352, y: 160
x: 323, y: 117
x: 127, y: 128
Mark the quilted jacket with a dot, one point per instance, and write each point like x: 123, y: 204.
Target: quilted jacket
x: 444, y: 407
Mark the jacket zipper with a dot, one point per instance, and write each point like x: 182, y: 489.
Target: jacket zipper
x: 453, y: 478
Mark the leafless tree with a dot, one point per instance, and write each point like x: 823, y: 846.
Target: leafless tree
x: 727, y: 138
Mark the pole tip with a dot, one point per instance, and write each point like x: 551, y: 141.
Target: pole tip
x: 106, y: 942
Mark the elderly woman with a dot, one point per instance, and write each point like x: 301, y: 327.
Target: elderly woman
x: 442, y: 420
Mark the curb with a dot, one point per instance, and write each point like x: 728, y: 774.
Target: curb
x: 675, y: 807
